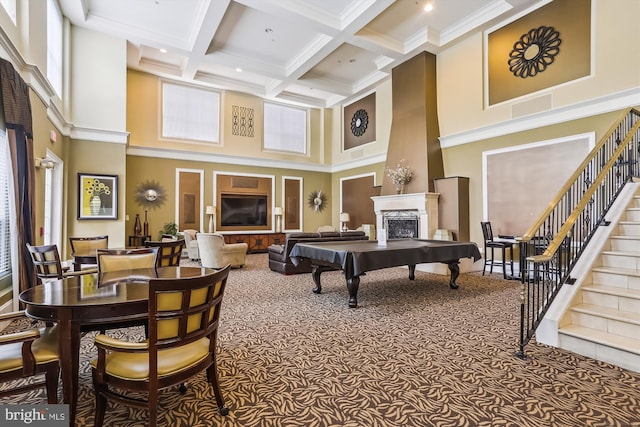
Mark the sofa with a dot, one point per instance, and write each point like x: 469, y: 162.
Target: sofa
x: 215, y: 253
x: 280, y: 261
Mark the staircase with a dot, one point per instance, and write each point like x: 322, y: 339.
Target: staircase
x: 603, y: 319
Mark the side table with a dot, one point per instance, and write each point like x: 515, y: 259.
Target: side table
x: 137, y: 241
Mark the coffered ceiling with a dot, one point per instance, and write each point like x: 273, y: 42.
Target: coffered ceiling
x: 312, y: 52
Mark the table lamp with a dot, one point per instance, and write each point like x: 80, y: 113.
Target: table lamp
x: 344, y: 219
x: 211, y: 211
x: 277, y: 212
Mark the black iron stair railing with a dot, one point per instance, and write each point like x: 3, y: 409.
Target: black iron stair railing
x: 555, y: 241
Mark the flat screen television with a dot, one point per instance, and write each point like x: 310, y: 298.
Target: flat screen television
x: 243, y: 210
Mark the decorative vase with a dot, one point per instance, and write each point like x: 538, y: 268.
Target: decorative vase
x: 146, y: 224
x: 94, y: 205
x: 400, y: 188
x: 137, y: 228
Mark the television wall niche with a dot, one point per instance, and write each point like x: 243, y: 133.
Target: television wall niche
x: 243, y: 202
x: 243, y: 210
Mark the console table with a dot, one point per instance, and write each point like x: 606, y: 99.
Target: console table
x: 257, y: 242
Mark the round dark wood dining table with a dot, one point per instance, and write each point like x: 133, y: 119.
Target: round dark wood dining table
x: 85, y: 302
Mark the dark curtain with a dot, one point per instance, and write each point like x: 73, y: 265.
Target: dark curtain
x: 16, y: 107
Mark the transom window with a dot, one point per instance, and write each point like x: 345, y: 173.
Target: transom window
x: 190, y: 113
x: 285, y: 128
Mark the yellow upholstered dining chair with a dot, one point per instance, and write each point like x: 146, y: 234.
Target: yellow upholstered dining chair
x: 169, y: 251
x: 27, y: 353
x: 126, y: 259
x: 183, y: 325
x: 85, y: 245
x: 114, y: 260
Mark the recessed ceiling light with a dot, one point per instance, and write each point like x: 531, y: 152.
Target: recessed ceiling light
x: 239, y: 69
x: 268, y: 30
x: 163, y: 50
x: 428, y: 7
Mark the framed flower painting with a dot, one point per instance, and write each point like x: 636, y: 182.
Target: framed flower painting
x: 97, y: 196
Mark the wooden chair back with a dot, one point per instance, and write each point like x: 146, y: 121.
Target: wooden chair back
x: 169, y: 252
x: 46, y: 262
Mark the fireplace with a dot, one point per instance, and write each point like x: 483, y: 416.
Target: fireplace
x: 415, y: 213
x: 401, y: 224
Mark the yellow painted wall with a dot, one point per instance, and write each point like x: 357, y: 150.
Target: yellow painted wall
x: 163, y: 171
x: 461, y: 105
x: 144, y: 124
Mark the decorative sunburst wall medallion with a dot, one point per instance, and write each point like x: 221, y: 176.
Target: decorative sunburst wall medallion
x: 534, y: 52
x: 317, y: 201
x: 150, y: 194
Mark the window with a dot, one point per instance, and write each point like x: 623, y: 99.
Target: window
x: 5, y: 226
x: 190, y: 113
x: 285, y: 128
x: 54, y: 46
x: 10, y: 7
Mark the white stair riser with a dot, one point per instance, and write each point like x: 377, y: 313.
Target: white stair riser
x: 617, y: 280
x: 611, y: 301
x: 615, y: 327
x: 620, y: 261
x: 633, y: 214
x: 602, y: 352
x: 618, y: 244
x: 629, y: 229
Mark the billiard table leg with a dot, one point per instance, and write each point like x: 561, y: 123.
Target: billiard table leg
x: 352, y: 285
x: 454, y: 267
x: 412, y: 272
x: 315, y: 273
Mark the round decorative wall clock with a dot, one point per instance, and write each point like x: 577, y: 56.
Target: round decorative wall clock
x: 317, y: 201
x: 359, y: 122
x: 534, y: 52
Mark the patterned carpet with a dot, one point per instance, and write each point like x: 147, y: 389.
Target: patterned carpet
x: 414, y: 353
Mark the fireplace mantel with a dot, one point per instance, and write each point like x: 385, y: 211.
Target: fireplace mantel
x: 426, y: 205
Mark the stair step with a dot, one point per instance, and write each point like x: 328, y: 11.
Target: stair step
x: 605, y: 319
x: 608, y: 313
x: 612, y: 297
x: 603, y: 339
x: 617, y: 271
x: 612, y: 290
x: 632, y: 214
x: 621, y: 259
x: 631, y: 228
x: 631, y: 345
x: 624, y: 243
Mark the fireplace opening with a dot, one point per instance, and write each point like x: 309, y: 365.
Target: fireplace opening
x: 401, y: 224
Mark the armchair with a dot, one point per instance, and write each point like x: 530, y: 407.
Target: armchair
x: 190, y: 240
x: 215, y: 253
x: 27, y: 353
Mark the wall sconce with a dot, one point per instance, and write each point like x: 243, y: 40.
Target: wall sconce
x: 211, y: 211
x: 44, y: 163
x: 277, y: 212
x: 344, y: 219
